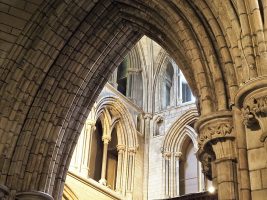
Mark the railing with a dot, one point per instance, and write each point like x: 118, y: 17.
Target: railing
x: 197, y: 196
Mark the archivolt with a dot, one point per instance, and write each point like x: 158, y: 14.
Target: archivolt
x: 179, y: 131
x: 125, y: 122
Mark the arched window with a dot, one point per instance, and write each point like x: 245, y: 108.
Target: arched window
x: 130, y: 81
x: 158, y: 126
x: 122, y: 77
x: 167, y: 86
x: 188, y: 171
x: 186, y: 94
x: 96, y: 152
x: 112, y: 160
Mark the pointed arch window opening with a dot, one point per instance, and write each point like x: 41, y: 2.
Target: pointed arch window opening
x: 185, y: 92
x: 130, y: 81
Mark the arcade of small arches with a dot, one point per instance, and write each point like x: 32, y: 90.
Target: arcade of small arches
x: 56, y: 56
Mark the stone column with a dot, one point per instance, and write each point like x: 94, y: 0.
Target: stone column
x: 147, y: 118
x: 251, y: 110
x: 33, y: 195
x: 130, y: 175
x: 177, y: 158
x: 4, y: 192
x: 130, y: 82
x: 105, y: 140
x: 120, y: 170
x: 167, y: 182
x: 89, y: 128
x: 217, y: 138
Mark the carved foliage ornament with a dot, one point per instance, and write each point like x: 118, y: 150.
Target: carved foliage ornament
x: 214, y: 131
x: 255, y: 112
x: 256, y: 107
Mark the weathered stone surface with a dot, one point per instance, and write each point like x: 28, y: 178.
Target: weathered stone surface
x: 56, y: 56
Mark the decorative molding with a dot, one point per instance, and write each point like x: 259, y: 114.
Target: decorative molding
x: 215, y: 131
x: 251, y: 99
x: 106, y: 139
x: 178, y: 155
x: 132, y: 150
x: 167, y: 155
x: 121, y: 148
x: 90, y: 122
x: 213, y: 128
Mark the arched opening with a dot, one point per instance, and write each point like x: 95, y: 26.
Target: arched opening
x: 168, y: 86
x: 130, y: 78
x: 138, y: 88
x: 188, y: 170
x: 186, y: 94
x: 112, y: 160
x: 96, y: 152
x: 122, y: 77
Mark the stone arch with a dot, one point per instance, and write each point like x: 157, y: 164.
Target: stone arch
x: 159, y: 81
x: 115, y: 119
x: 124, y: 121
x: 58, y: 92
x: 178, y: 135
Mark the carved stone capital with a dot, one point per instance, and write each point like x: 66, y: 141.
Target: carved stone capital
x: 106, y: 139
x: 214, y: 127
x: 178, y: 155
x: 90, y: 122
x: 251, y: 99
x: 132, y: 150
x: 167, y: 155
x: 148, y: 116
x: 121, y: 148
x: 33, y: 195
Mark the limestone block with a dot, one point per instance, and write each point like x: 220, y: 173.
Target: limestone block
x: 257, y: 158
x: 253, y: 139
x: 264, y: 178
x: 259, y: 194
x: 255, y: 180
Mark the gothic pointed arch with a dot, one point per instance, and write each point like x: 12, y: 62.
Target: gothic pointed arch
x: 179, y: 146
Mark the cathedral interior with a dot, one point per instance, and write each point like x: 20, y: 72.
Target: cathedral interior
x: 133, y: 99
